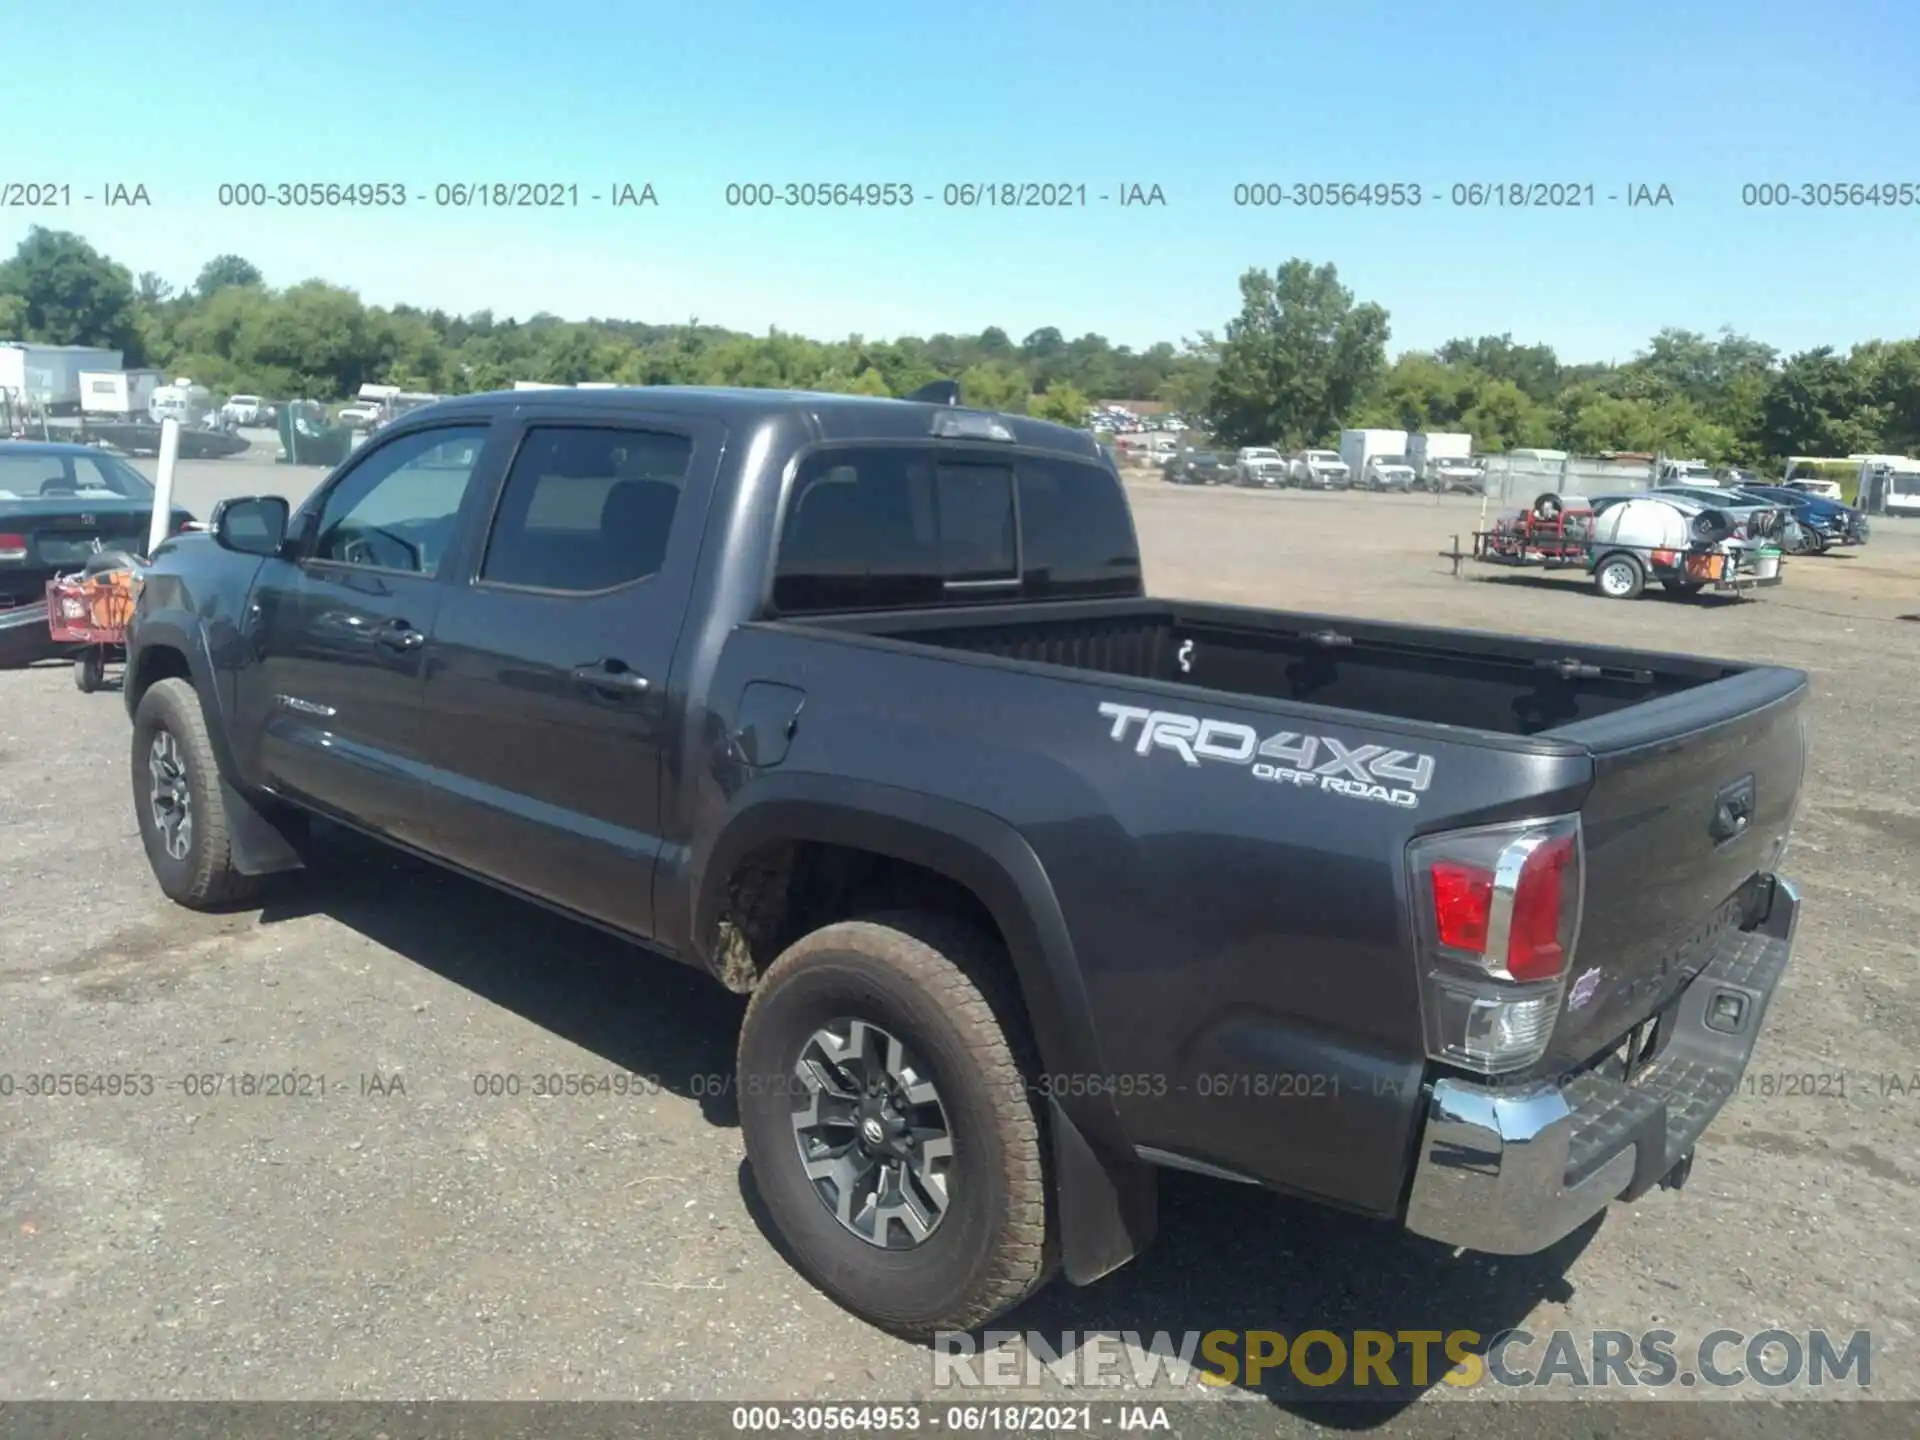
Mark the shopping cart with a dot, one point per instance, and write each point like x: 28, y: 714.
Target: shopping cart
x: 92, y: 611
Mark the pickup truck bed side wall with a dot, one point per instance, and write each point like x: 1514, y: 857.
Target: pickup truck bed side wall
x: 1228, y: 930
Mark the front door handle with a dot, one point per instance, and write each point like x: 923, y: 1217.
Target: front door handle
x: 399, y: 635
x: 611, y: 677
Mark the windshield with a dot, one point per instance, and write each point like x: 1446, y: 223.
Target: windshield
x: 244, y: 400
x: 1323, y: 457
x: 1263, y: 454
x: 59, y: 475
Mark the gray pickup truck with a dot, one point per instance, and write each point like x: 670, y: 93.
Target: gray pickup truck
x: 1036, y: 883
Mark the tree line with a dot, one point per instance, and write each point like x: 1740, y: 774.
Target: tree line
x: 1302, y: 359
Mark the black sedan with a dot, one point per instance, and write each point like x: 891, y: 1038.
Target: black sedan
x: 60, y: 506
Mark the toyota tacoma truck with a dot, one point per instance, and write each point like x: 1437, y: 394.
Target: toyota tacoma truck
x: 1036, y: 883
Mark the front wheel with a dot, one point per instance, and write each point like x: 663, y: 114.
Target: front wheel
x: 1620, y: 577
x: 889, y: 1123
x: 178, y: 801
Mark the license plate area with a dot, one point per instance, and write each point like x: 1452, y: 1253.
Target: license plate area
x: 67, y: 549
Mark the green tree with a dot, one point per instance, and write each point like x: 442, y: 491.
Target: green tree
x: 1534, y: 368
x: 1817, y: 405
x: 1060, y: 403
x: 68, y: 293
x: 1296, y: 358
x: 225, y: 270
x: 1505, y: 417
x: 995, y: 386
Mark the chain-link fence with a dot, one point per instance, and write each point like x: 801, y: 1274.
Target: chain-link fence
x: 1520, y: 479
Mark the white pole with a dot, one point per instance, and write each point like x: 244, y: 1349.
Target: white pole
x: 163, y: 485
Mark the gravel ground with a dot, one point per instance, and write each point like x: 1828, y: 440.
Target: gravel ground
x: 404, y: 1236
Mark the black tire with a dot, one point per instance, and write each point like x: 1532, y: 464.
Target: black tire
x: 202, y: 878
x: 932, y: 983
x: 1620, y: 577
x: 1712, y: 526
x: 1547, y: 506
x: 1683, y: 587
x: 89, y: 670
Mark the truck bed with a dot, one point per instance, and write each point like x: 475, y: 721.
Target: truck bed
x: 1475, y: 680
x: 1671, y: 746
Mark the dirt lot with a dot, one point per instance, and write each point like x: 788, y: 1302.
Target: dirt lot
x: 416, y: 1239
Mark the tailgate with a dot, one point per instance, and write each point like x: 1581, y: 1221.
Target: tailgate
x: 1693, y: 795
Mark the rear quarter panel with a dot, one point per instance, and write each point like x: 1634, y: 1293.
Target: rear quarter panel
x: 1244, y: 943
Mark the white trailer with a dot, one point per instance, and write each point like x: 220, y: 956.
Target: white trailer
x: 48, y: 376
x: 1357, y: 447
x: 1429, y: 447
x: 118, y: 392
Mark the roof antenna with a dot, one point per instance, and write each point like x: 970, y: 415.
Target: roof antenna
x: 939, y: 392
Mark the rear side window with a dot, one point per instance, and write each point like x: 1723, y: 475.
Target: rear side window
x: 898, y: 527
x: 586, y: 509
x: 1076, y: 533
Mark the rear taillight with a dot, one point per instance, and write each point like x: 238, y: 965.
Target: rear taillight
x: 1496, y: 912
x: 12, y: 547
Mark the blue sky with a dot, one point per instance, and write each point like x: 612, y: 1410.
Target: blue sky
x: 1194, y: 97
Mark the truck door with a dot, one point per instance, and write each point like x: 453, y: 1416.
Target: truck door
x: 329, y: 705
x: 549, y: 720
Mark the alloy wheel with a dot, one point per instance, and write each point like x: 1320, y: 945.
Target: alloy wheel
x: 873, y: 1135
x: 168, y: 797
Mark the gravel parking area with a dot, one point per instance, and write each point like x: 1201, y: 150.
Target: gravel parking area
x: 397, y: 1230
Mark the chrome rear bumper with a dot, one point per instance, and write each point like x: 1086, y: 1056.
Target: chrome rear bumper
x: 1509, y: 1170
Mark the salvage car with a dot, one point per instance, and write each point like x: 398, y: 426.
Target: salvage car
x: 1036, y: 884
x: 1825, y: 522
x: 1389, y: 473
x: 1259, y: 465
x: 61, y: 506
x: 1199, y: 467
x: 1454, y: 475
x: 1319, y: 470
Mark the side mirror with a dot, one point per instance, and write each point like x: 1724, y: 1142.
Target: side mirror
x: 251, y: 524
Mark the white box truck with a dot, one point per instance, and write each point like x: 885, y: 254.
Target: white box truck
x: 117, y: 392
x: 1428, y: 448
x: 1443, y: 462
x: 48, y: 376
x: 1360, y: 447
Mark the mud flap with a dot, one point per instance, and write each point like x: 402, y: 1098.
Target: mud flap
x: 261, y: 845
x: 1109, y: 1209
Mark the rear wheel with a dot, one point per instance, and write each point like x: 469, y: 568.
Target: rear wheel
x: 1620, y: 577
x: 889, y: 1123
x: 1683, y: 587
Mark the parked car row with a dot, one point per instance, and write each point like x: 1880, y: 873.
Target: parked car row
x: 1264, y: 467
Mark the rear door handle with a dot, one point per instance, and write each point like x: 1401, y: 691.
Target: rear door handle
x: 611, y: 677
x: 399, y: 635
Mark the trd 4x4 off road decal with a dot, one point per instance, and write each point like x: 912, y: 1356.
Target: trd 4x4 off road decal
x: 1319, y: 762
